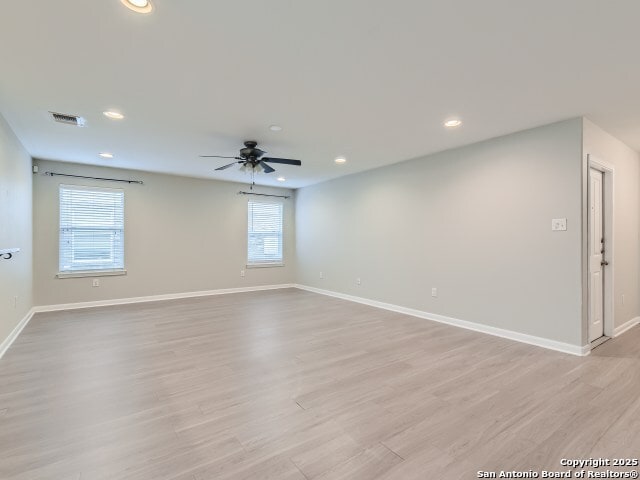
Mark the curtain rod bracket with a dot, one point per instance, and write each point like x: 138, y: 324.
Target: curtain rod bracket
x: 7, y: 253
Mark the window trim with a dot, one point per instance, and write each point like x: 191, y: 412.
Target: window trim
x: 91, y: 273
x: 265, y: 265
x: 278, y: 263
x: 104, y: 272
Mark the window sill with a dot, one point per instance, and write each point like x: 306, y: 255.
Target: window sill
x: 264, y: 265
x: 91, y: 273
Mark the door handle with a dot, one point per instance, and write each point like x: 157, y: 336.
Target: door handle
x: 604, y: 263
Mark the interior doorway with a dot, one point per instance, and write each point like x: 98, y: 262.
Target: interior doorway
x: 600, y: 250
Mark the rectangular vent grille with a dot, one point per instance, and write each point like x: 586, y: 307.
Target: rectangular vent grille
x: 68, y: 119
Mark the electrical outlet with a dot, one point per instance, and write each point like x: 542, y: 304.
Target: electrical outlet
x: 559, y: 224
x: 321, y: 275
x: 96, y: 282
x: 623, y: 298
x: 358, y: 281
x: 242, y: 273
x: 434, y: 292
x: 15, y: 302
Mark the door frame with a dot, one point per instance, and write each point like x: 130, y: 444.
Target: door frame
x: 608, y: 172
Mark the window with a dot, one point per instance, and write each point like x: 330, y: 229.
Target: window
x: 91, y: 229
x: 265, y: 234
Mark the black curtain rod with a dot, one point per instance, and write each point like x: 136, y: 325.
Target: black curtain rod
x: 54, y: 174
x: 263, y: 194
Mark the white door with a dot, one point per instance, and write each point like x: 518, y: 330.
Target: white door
x: 596, y: 256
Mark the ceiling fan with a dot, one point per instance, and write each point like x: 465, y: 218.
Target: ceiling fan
x: 251, y: 158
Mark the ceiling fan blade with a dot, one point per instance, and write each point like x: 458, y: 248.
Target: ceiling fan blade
x: 286, y: 161
x: 227, y: 166
x: 217, y: 156
x: 267, y: 168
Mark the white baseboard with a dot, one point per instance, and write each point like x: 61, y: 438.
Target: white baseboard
x: 626, y: 326
x: 7, y: 342
x: 155, y: 298
x: 508, y: 334
x: 477, y: 327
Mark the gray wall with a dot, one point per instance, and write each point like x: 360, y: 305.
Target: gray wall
x: 181, y: 235
x: 474, y: 222
x: 15, y: 230
x: 626, y: 163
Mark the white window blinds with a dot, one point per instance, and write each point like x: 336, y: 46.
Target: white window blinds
x: 265, y: 233
x: 91, y: 228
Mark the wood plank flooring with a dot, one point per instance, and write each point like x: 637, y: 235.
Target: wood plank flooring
x: 287, y: 384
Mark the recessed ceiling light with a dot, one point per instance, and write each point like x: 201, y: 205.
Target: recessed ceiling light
x: 106, y: 155
x: 281, y: 179
x: 275, y: 128
x: 340, y: 160
x: 138, y: 6
x: 113, y: 115
x: 452, y: 123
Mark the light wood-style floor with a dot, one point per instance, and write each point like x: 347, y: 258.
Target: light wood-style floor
x: 287, y: 384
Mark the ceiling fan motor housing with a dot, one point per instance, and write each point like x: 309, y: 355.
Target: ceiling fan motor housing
x: 251, y: 151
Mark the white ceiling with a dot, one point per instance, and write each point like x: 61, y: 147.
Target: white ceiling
x: 372, y: 80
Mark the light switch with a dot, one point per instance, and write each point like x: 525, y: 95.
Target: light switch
x: 559, y: 224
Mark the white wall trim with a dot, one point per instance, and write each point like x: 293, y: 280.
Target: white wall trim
x: 155, y: 298
x: 7, y: 342
x: 599, y: 164
x: 477, y: 327
x: 626, y: 326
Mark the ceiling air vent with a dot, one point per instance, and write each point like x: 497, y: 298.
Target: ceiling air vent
x: 68, y: 119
